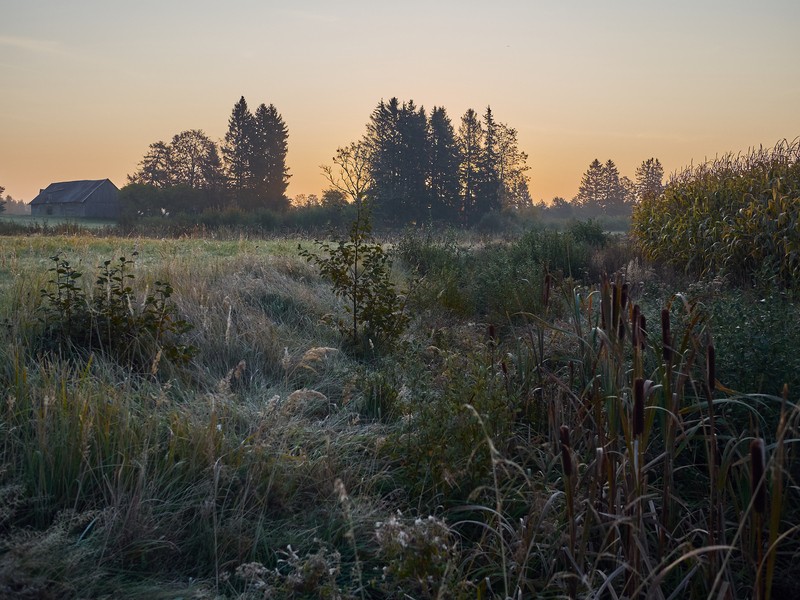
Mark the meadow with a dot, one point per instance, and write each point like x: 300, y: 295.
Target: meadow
x: 557, y: 418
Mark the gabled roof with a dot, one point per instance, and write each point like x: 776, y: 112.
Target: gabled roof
x: 66, y: 192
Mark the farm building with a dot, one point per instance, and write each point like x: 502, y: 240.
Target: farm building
x: 96, y: 199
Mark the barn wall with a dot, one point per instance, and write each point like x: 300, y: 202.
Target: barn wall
x: 103, y: 203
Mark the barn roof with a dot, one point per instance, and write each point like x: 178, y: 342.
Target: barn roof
x: 66, y: 192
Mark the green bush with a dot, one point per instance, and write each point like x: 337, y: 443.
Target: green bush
x: 360, y: 272
x: 110, y: 319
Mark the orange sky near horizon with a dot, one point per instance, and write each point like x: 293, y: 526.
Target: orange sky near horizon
x: 88, y: 85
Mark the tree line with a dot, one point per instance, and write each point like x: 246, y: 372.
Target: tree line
x: 416, y: 167
x: 413, y: 166
x: 11, y: 206
x: 603, y: 192
x: 192, y: 173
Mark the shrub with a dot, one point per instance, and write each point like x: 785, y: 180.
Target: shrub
x: 110, y: 320
x: 360, y: 272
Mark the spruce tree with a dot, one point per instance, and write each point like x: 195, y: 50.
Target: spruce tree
x: 592, y: 190
x: 649, y: 179
x: 237, y: 150
x: 488, y: 192
x: 384, y: 144
x: 470, y: 138
x: 444, y: 161
x: 512, y: 164
x: 413, y: 163
x: 269, y: 147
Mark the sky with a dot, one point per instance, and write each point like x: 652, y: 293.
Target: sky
x: 87, y: 85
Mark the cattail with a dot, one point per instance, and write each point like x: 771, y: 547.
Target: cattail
x: 638, y: 407
x: 548, y: 280
x: 635, y: 333
x: 566, y: 457
x: 711, y: 374
x: 614, y: 305
x: 623, y: 302
x: 666, y: 337
x: 757, y: 482
x: 491, y: 334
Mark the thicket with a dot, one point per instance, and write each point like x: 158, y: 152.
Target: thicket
x: 738, y: 215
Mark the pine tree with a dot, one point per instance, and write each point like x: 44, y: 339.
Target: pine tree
x: 398, y: 142
x: 613, y: 197
x: 488, y: 192
x: 512, y: 164
x: 592, y: 190
x: 237, y: 150
x: 384, y: 144
x: 444, y: 160
x: 269, y: 147
x: 649, y: 179
x: 413, y: 163
x: 470, y: 140
x: 155, y: 168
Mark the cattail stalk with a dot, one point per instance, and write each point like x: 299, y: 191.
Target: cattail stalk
x: 758, y: 491
x: 566, y: 462
x: 666, y: 337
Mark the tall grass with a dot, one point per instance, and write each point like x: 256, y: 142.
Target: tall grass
x: 573, y: 438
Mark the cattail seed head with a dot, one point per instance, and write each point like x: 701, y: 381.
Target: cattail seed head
x: 623, y: 301
x: 491, y: 333
x: 758, y: 484
x: 666, y: 336
x: 548, y: 280
x: 638, y: 407
x: 566, y: 457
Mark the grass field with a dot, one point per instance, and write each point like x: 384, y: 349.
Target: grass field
x: 28, y: 220
x: 527, y: 436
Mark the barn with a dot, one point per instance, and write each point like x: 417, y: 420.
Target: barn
x: 94, y: 199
